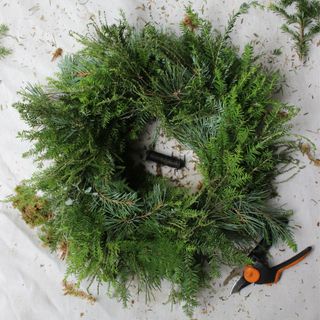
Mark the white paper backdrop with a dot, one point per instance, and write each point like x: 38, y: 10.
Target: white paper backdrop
x: 30, y: 277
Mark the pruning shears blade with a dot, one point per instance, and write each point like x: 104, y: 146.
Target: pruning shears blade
x: 239, y: 285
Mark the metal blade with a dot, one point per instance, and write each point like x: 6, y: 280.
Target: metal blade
x: 239, y: 285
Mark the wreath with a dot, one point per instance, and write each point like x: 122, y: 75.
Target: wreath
x: 112, y: 220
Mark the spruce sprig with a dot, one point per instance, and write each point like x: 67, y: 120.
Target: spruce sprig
x: 302, y: 25
x: 3, y: 32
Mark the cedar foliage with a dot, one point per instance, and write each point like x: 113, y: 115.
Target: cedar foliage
x: 302, y: 24
x: 118, y: 222
x: 3, y: 32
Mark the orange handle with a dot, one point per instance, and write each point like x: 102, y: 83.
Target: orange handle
x: 290, y: 263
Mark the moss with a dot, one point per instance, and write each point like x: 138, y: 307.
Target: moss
x: 33, y: 209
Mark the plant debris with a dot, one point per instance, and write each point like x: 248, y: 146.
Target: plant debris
x: 58, y: 53
x: 72, y: 290
x: 3, y: 32
x: 305, y: 148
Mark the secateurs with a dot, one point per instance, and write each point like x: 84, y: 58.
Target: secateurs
x: 261, y: 273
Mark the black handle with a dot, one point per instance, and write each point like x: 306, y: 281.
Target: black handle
x: 292, y: 261
x: 165, y: 159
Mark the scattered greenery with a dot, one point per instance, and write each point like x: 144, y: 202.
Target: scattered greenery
x: 302, y: 24
x: 3, y: 32
x: 114, y: 221
x: 277, y: 52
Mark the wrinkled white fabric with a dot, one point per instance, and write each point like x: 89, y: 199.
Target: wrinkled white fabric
x: 30, y: 276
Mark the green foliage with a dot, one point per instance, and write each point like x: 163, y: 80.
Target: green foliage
x: 302, y: 24
x: 119, y: 222
x: 3, y: 32
x: 33, y: 208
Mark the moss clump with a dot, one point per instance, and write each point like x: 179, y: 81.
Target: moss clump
x: 33, y: 208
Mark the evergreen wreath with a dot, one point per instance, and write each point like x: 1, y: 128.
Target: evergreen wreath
x: 113, y: 221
